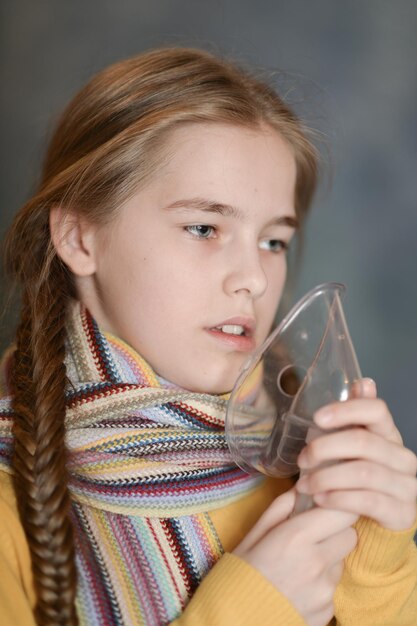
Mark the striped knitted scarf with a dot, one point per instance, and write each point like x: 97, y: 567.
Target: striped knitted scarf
x: 147, y: 462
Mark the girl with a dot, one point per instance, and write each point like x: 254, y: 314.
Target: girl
x: 151, y: 262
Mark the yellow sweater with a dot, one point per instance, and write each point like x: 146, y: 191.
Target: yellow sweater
x: 378, y: 588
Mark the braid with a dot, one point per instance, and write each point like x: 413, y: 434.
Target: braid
x: 39, y: 460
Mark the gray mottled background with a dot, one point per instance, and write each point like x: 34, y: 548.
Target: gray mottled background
x: 350, y: 70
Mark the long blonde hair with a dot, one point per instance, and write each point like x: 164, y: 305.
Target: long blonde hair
x: 109, y: 142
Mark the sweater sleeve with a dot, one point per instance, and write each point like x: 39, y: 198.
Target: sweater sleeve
x: 234, y: 592
x: 379, y: 584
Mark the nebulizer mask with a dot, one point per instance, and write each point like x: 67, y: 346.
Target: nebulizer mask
x: 308, y: 361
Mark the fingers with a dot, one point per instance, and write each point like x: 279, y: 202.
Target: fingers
x: 377, y: 506
x: 277, y: 512
x: 358, y: 443
x: 316, y: 525
x: 372, y: 413
x: 313, y: 526
x: 364, y: 388
x: 359, y: 475
x: 380, y: 479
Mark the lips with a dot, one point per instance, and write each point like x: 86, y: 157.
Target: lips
x: 236, y: 333
x: 233, y: 324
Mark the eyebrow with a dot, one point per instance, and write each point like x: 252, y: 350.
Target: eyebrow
x: 227, y: 210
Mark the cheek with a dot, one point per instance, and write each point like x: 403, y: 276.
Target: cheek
x: 276, y: 281
x: 166, y: 293
x: 272, y: 296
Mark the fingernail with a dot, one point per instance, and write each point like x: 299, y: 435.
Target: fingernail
x: 367, y: 388
x: 324, y: 415
x: 369, y: 381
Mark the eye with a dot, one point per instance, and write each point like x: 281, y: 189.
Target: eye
x: 273, y: 245
x: 201, y: 231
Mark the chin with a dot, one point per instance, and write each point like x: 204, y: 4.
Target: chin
x: 217, y: 386
x: 212, y: 377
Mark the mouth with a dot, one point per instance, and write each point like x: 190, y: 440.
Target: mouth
x: 237, y: 333
x: 232, y: 329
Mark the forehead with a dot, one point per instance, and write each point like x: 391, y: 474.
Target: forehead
x: 236, y: 161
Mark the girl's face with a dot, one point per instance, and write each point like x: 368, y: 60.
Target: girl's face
x: 191, y: 271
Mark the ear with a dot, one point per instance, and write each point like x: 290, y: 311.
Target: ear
x: 74, y: 240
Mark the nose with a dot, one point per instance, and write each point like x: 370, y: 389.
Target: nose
x: 244, y: 272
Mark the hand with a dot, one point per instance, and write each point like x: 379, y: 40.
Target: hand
x: 301, y: 556
x: 373, y: 475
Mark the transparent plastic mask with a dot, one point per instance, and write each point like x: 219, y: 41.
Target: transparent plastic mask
x: 307, y: 362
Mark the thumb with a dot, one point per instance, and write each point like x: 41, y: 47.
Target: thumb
x: 277, y: 512
x: 364, y: 388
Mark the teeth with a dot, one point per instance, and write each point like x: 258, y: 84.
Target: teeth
x: 232, y: 329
